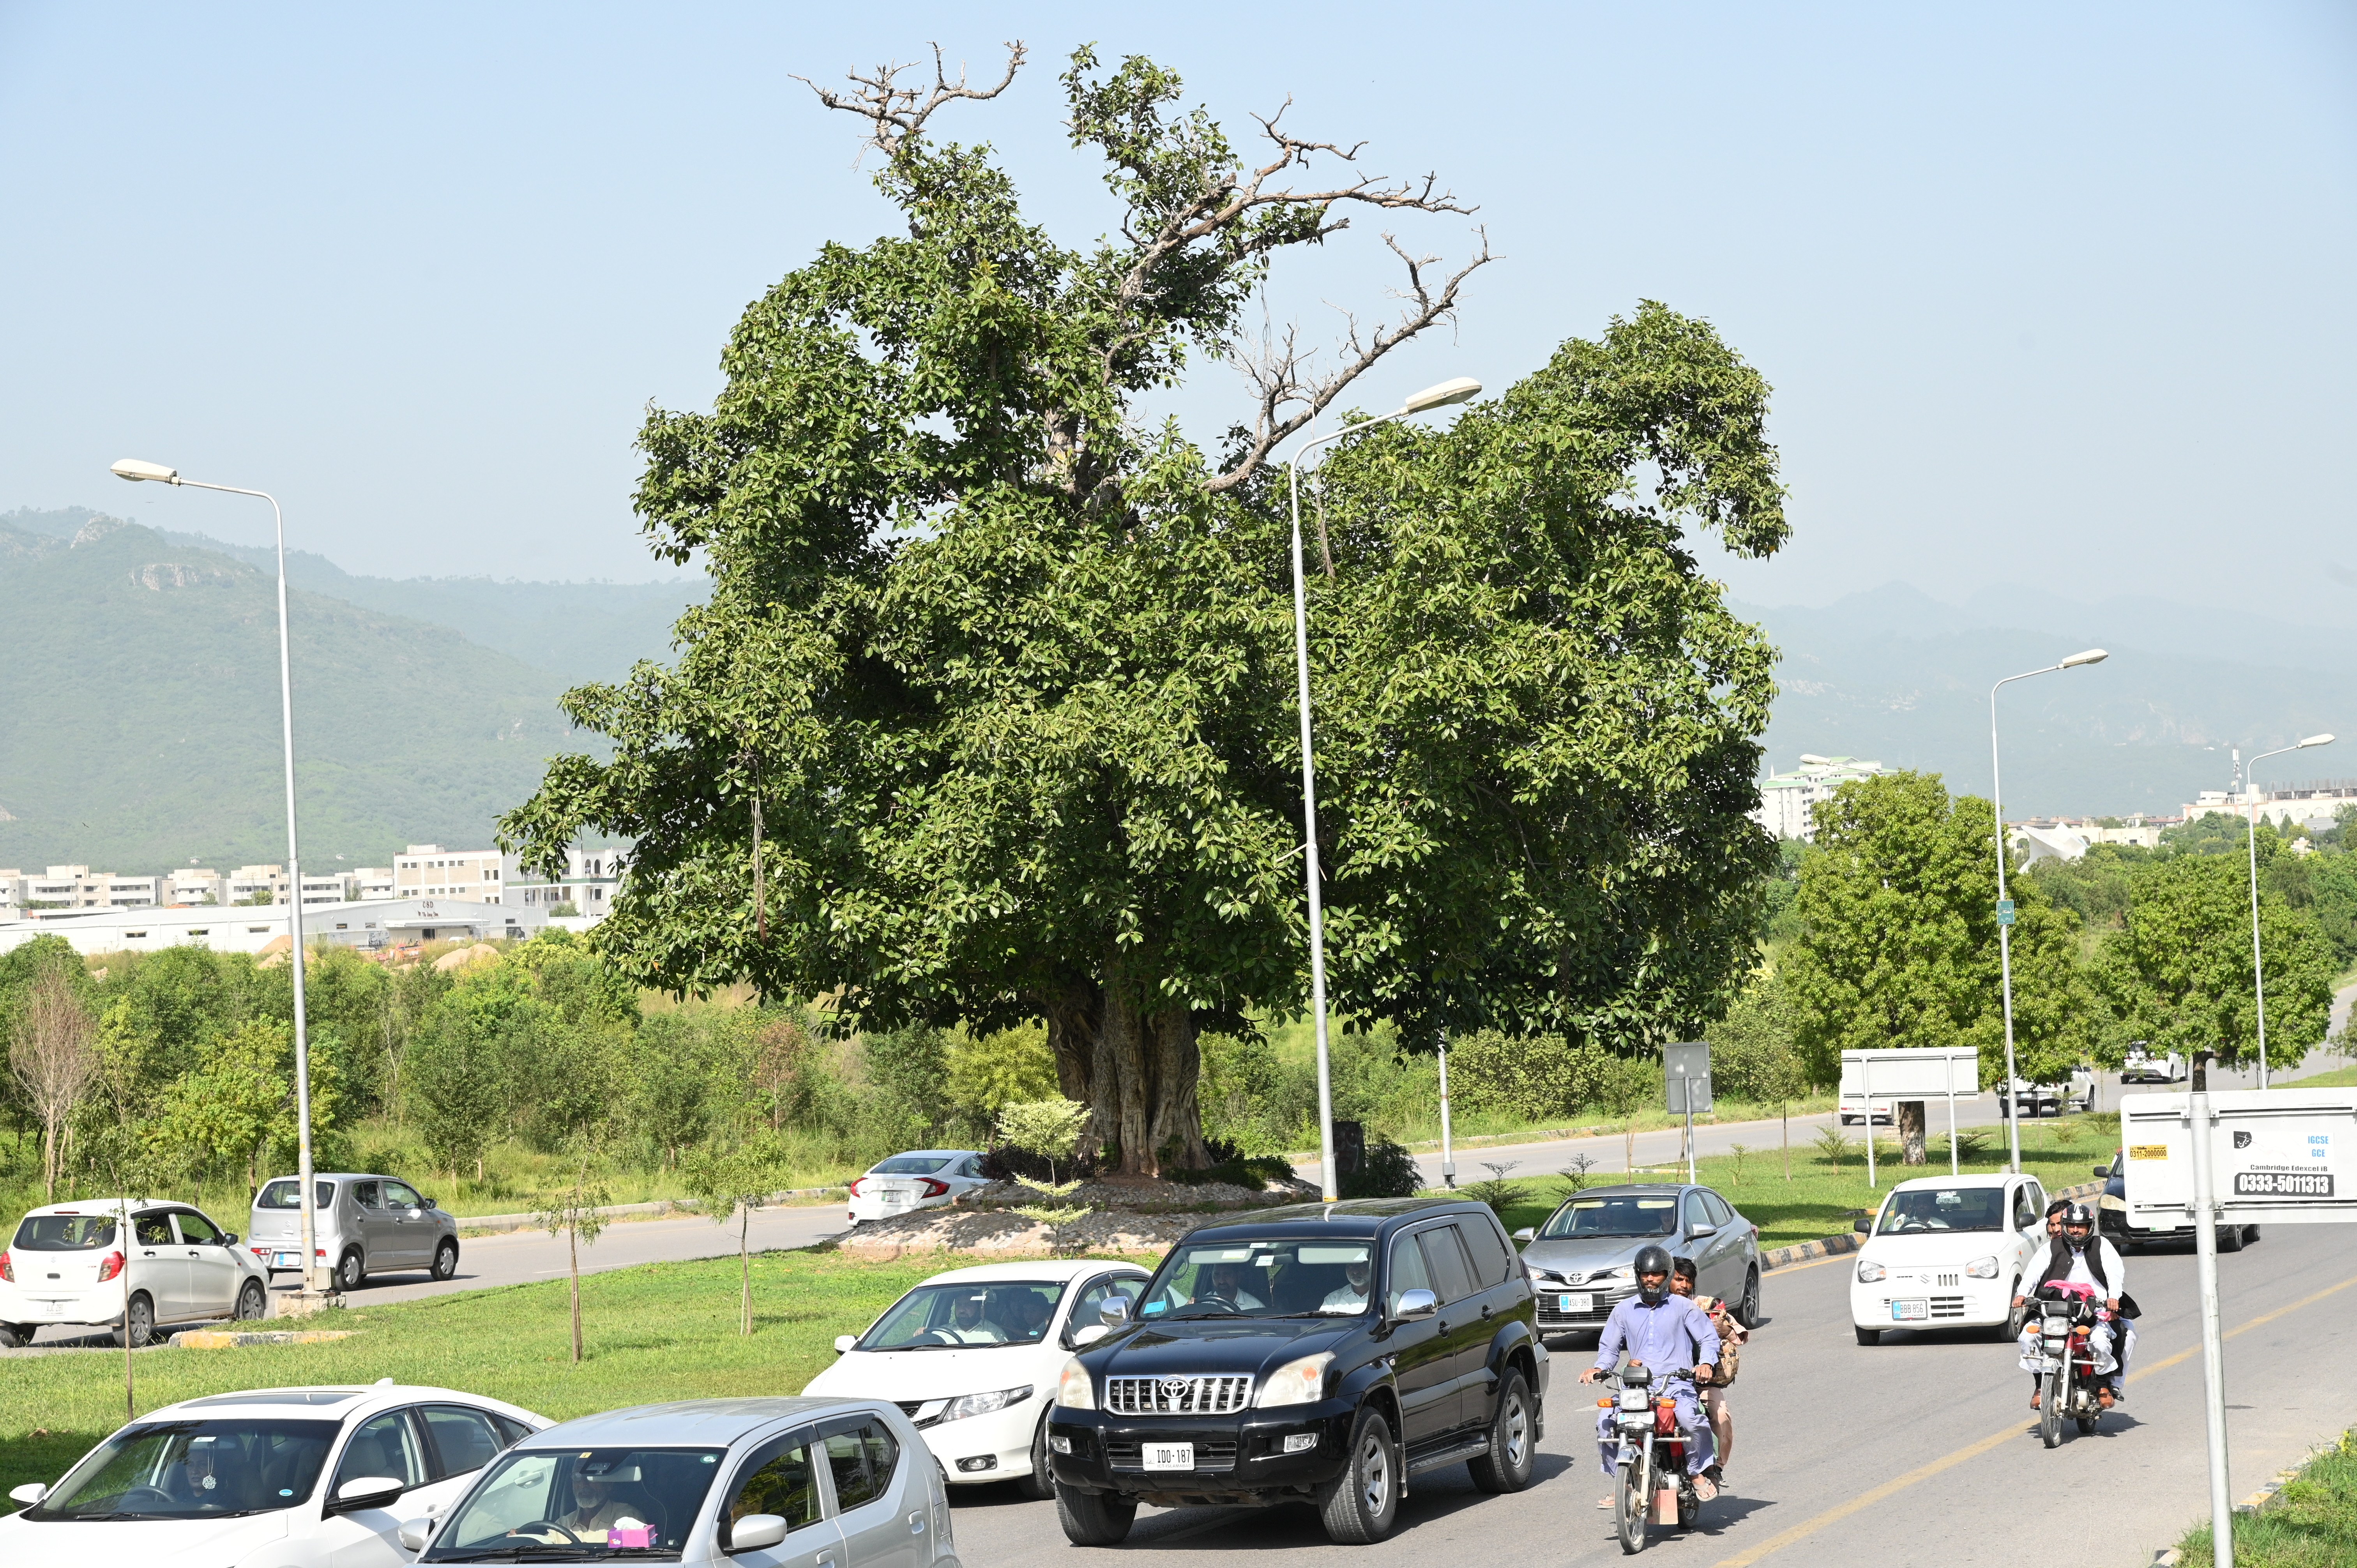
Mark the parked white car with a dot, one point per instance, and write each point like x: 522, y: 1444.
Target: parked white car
x: 972, y: 1358
x: 66, y: 1264
x: 1946, y: 1253
x: 315, y: 1477
x: 921, y: 1178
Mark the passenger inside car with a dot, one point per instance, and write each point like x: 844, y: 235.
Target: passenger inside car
x: 1945, y: 1208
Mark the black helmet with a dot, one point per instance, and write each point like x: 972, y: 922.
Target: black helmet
x: 2079, y: 1214
x: 1652, y: 1260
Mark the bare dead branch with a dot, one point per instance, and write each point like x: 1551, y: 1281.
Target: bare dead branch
x: 893, y: 113
x: 1280, y: 374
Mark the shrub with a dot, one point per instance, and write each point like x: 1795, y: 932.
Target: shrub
x: 1387, y: 1171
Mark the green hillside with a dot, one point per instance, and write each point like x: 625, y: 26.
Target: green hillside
x: 139, y: 714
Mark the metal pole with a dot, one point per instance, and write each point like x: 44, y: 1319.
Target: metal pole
x: 1955, y: 1166
x: 2213, y: 1349
x: 1865, y: 1082
x: 2012, y: 1101
x: 1447, y: 1157
x: 1688, y: 1081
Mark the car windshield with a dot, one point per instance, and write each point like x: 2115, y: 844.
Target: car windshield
x: 194, y: 1469
x: 1614, y: 1214
x: 910, y: 1165
x: 64, y: 1232
x: 283, y: 1194
x: 1942, y: 1209
x: 1261, y: 1279
x: 579, y: 1504
x: 975, y: 1312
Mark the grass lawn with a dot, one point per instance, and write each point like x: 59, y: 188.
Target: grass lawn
x: 2312, y: 1523
x: 661, y: 1331
x: 1823, y: 1196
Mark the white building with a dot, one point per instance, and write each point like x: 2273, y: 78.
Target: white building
x: 195, y: 885
x: 372, y: 882
x: 247, y: 883
x: 592, y: 880
x: 429, y: 871
x: 2313, y: 805
x: 1788, y: 801
x: 374, y: 924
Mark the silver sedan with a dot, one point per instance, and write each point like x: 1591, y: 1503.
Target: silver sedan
x: 1581, y: 1262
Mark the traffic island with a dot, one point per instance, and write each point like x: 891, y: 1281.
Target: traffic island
x: 239, y: 1339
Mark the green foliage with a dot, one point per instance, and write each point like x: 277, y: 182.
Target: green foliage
x: 1385, y: 1170
x: 1049, y: 1128
x: 986, y: 1072
x: 1546, y: 1077
x: 1752, y: 1053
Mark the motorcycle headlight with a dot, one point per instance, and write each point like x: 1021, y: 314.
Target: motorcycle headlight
x: 982, y: 1404
x: 1301, y: 1381
x: 1867, y: 1273
x: 1073, y: 1390
x: 1982, y: 1267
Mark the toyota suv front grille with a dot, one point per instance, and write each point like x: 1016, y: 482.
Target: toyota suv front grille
x: 1198, y: 1394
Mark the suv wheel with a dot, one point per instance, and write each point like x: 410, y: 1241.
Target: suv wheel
x: 1041, y: 1484
x: 446, y: 1260
x: 1094, y: 1518
x: 350, y: 1272
x: 1361, y: 1506
x: 1513, y: 1449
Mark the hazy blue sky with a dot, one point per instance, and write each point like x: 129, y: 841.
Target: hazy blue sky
x: 2050, y: 293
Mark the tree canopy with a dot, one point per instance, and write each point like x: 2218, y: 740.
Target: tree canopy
x: 989, y: 715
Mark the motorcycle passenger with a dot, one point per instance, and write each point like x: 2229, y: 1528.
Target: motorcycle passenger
x: 2079, y: 1256
x: 1732, y: 1336
x: 1668, y: 1334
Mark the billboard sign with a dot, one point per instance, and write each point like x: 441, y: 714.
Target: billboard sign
x: 2279, y: 1156
x: 1926, y: 1072
x: 1687, y: 1068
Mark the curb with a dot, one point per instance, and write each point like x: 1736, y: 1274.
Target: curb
x: 500, y: 1224
x: 1834, y: 1246
x: 222, y: 1339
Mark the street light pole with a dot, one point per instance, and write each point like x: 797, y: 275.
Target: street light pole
x: 2251, y: 811
x: 2005, y: 908
x: 315, y: 1277
x: 1441, y: 396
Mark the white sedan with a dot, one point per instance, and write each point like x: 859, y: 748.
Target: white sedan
x: 973, y: 1356
x: 66, y: 1264
x: 315, y: 1477
x: 1946, y: 1253
x: 920, y: 1178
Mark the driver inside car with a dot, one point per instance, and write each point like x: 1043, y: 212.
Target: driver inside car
x: 1228, y: 1281
x: 598, y: 1507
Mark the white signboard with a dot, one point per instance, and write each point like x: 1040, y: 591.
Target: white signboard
x: 1924, y: 1072
x: 2279, y: 1156
x: 1686, y: 1068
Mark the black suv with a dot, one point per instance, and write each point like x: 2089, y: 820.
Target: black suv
x: 1319, y: 1353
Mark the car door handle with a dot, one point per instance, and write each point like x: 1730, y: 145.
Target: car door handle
x: 917, y: 1523
x: 1444, y: 1326
x: 1485, y: 1309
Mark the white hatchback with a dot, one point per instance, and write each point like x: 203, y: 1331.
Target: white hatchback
x: 921, y: 1178
x: 66, y: 1264
x: 315, y: 1477
x: 1946, y: 1253
x: 972, y: 1357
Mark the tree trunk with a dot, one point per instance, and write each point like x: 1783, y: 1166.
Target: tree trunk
x: 1910, y: 1132
x: 1138, y: 1073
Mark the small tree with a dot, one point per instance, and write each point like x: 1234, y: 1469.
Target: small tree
x: 737, y: 1181
x: 574, y: 1212
x: 53, y: 1057
x: 1048, y: 1128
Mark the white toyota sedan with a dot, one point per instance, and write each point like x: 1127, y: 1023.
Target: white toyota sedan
x: 315, y: 1477
x: 973, y: 1356
x: 921, y: 1178
x: 1946, y: 1253
x: 66, y: 1264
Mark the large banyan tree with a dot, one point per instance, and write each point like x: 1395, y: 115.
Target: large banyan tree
x: 990, y: 712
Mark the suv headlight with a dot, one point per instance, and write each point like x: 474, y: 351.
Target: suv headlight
x: 1073, y: 1390
x: 1867, y: 1273
x: 1982, y: 1267
x: 982, y: 1404
x: 1301, y: 1381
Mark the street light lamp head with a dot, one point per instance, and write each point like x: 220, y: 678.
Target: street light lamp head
x: 1461, y: 389
x: 2317, y: 740
x: 2093, y: 656
x: 132, y: 468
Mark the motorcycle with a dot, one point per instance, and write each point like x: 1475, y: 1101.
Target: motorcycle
x: 1650, y: 1485
x: 2065, y: 1324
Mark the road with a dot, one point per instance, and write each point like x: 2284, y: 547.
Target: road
x: 1918, y: 1451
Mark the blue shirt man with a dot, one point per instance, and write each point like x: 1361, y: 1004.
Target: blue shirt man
x: 1669, y: 1335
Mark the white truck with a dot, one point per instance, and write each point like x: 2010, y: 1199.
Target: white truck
x: 2146, y: 1067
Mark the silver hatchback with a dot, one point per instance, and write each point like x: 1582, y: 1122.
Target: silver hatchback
x: 366, y: 1225
x: 756, y: 1482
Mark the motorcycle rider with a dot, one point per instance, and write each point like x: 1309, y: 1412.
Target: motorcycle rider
x: 1732, y: 1336
x: 1667, y: 1333
x: 2079, y: 1256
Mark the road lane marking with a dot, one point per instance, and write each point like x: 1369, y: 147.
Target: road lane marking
x: 1890, y: 1488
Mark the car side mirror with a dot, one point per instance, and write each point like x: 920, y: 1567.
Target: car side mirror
x: 2102, y: 1170
x: 1699, y: 1231
x: 1415, y: 1304
x: 415, y: 1532
x: 1114, y: 1311
x: 366, y: 1492
x: 30, y: 1493
x: 1089, y: 1335
x: 755, y: 1532
x: 1861, y: 1226
x: 1528, y: 1233
x: 228, y: 1238
x: 431, y: 1204
x: 844, y: 1342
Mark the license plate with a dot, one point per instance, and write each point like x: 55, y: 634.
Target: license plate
x: 1575, y: 1304
x: 1916, y: 1311
x: 283, y: 1260
x: 1169, y: 1455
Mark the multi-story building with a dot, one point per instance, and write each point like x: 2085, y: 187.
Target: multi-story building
x: 1788, y: 801
x: 12, y: 893
x: 429, y: 871
x: 592, y: 879
x: 194, y: 886
x: 248, y: 883
x: 372, y: 882
x: 2314, y: 805
x: 326, y: 888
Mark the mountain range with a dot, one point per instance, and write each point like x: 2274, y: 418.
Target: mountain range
x: 139, y: 699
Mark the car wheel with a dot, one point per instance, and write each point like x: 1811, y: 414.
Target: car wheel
x: 2017, y: 1316
x: 1094, y: 1518
x: 1867, y: 1336
x: 1512, y: 1454
x: 1041, y: 1484
x: 252, y: 1303
x: 1747, y: 1310
x: 138, y: 1330
x: 13, y: 1338
x: 1361, y: 1506
x: 446, y: 1260
x: 2250, y: 1234
x: 2230, y: 1239
x: 351, y: 1272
